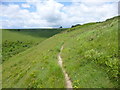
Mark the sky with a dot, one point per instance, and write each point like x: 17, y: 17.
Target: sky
x: 54, y: 13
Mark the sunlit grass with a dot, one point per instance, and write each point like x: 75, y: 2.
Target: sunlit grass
x: 90, y: 57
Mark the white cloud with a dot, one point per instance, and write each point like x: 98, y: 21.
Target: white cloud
x: 25, y: 5
x: 54, y: 14
x: 60, y: 0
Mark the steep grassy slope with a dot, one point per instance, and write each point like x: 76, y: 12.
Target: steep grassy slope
x: 90, y: 57
x: 18, y: 40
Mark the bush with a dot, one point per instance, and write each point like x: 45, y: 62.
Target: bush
x: 110, y: 62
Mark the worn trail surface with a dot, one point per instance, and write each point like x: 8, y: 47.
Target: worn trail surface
x: 67, y: 78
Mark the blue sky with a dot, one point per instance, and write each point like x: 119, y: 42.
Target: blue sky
x: 52, y: 13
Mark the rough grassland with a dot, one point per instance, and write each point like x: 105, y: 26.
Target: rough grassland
x: 90, y: 57
x: 15, y: 41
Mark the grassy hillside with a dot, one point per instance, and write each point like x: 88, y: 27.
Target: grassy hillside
x: 18, y: 40
x: 90, y: 57
x: 28, y: 34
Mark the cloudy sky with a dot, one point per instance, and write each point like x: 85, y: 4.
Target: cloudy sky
x: 54, y: 13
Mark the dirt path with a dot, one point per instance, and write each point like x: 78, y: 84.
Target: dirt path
x: 67, y: 78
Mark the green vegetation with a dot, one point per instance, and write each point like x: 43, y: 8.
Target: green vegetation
x: 35, y: 67
x: 90, y: 57
x: 18, y: 40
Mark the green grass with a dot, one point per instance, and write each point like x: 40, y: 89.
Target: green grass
x: 15, y: 41
x: 28, y: 34
x: 35, y: 67
x: 90, y: 57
